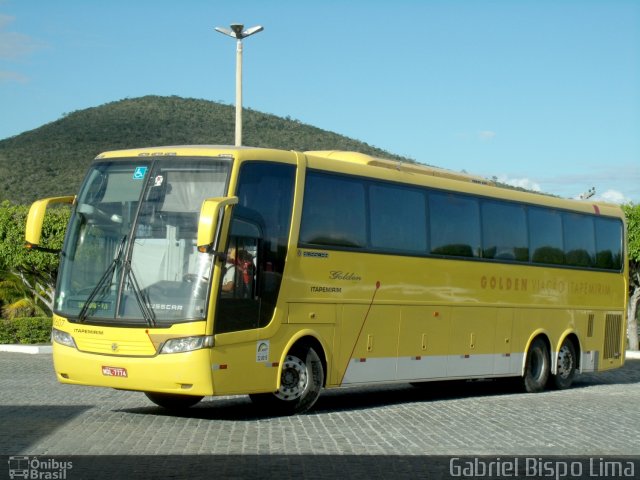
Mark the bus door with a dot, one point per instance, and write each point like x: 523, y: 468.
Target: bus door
x: 245, y: 358
x: 239, y: 362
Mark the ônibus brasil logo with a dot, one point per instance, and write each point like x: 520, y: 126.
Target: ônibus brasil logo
x: 35, y: 468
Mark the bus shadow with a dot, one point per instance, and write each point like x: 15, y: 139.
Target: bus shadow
x: 372, y: 397
x: 341, y: 400
x: 241, y: 408
x: 232, y: 409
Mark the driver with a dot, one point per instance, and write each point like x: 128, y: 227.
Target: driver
x: 229, y: 279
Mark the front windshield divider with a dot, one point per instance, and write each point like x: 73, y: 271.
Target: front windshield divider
x: 143, y: 303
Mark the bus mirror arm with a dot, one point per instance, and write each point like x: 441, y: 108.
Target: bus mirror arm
x: 222, y: 256
x: 38, y: 248
x: 210, y: 224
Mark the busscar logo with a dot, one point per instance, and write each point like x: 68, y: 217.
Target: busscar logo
x: 36, y: 468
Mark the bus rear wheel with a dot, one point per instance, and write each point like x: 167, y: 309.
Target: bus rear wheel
x: 301, y: 381
x: 566, y: 368
x: 536, y: 370
x: 172, y: 401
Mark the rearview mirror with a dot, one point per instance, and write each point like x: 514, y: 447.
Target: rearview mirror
x: 33, y: 230
x: 210, y: 222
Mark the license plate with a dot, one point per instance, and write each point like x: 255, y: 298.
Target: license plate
x: 114, y: 371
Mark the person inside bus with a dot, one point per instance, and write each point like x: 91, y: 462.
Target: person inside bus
x: 245, y: 269
x: 229, y: 279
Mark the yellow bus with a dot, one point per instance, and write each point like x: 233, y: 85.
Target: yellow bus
x: 202, y: 270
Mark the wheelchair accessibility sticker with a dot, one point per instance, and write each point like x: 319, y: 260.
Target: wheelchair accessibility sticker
x: 139, y: 173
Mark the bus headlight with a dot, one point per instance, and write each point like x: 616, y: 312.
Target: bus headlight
x: 186, y: 344
x: 63, y: 338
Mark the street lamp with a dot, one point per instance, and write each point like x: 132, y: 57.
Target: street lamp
x: 588, y: 194
x: 238, y: 33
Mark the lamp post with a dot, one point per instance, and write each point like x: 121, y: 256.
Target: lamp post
x: 237, y: 31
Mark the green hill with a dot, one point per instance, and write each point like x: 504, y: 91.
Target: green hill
x: 52, y: 160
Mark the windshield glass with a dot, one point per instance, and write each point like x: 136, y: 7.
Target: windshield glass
x: 130, y: 253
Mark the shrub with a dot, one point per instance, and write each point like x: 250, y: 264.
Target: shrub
x: 28, y: 330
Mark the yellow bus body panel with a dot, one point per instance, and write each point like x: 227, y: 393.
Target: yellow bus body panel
x: 134, y: 351
x: 449, y: 318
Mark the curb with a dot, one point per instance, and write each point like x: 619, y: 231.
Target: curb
x: 31, y: 349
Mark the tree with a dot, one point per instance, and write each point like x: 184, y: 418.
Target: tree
x: 632, y: 213
x: 16, y: 298
x: 35, y: 270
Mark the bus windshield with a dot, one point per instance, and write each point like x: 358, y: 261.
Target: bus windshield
x: 130, y: 252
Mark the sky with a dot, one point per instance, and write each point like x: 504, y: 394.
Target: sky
x: 543, y: 94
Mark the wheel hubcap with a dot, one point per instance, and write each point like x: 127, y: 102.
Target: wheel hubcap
x: 294, y: 379
x: 565, y: 362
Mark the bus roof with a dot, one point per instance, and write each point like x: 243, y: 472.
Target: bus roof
x: 400, y: 166
x: 172, y: 150
x: 397, y: 170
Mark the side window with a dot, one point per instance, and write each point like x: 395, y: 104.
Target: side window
x: 608, y: 243
x: 334, y: 211
x: 579, y: 240
x: 265, y: 200
x: 504, y: 231
x: 398, y: 219
x: 545, y: 236
x: 454, y: 225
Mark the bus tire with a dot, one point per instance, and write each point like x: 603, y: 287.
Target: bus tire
x: 537, y: 369
x: 301, y: 381
x: 172, y: 401
x: 566, y: 368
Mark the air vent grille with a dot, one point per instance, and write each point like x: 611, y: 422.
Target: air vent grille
x: 612, y: 336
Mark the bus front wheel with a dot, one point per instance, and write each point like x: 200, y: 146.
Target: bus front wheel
x: 566, y: 369
x: 301, y: 380
x: 172, y: 401
x: 536, y: 370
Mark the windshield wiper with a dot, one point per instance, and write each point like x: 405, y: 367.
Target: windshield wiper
x: 102, y: 283
x: 141, y: 297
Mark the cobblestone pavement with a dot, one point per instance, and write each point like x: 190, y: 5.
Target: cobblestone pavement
x: 600, y: 415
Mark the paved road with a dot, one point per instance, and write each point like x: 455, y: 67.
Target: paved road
x: 599, y: 416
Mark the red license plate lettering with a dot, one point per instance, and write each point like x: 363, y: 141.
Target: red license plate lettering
x: 114, y: 371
